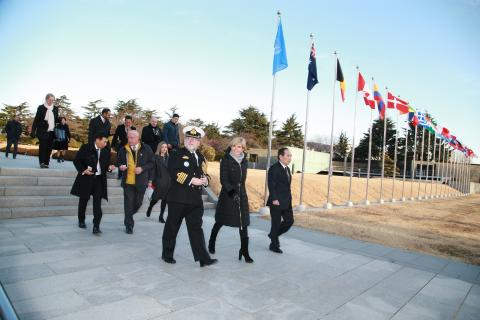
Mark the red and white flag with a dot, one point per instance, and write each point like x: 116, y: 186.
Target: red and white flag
x: 367, y: 94
x: 394, y: 102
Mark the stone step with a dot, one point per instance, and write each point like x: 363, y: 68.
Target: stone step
x: 46, y: 201
x: 46, y: 191
x: 37, y: 172
x: 45, y: 181
x: 27, y: 212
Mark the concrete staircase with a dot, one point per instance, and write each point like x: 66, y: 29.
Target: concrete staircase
x: 31, y: 192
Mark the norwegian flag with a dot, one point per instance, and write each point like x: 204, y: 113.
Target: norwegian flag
x: 394, y: 102
x: 367, y: 94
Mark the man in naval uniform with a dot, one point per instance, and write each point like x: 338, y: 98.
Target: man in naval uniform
x: 186, y: 166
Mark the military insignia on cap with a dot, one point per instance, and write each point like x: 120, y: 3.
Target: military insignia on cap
x: 193, y: 132
x: 186, y: 164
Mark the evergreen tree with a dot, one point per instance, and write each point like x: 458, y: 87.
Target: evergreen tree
x: 290, y: 134
x: 341, y: 148
x: 212, y: 130
x: 252, y: 124
x: 22, y: 110
x: 92, y: 109
x: 131, y: 108
x: 65, y: 108
x: 361, y: 152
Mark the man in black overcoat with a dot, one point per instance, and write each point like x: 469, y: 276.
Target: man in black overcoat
x: 280, y: 198
x: 99, y: 125
x: 92, y: 163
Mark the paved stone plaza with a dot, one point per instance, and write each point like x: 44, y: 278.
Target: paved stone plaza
x: 53, y: 270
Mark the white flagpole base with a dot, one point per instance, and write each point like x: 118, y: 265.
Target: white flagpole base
x: 394, y: 200
x: 427, y: 197
x: 367, y: 202
x: 264, y: 211
x: 419, y: 198
x: 412, y: 198
x: 381, y: 201
x: 403, y: 199
x: 349, y: 204
x: 300, y: 207
x: 328, y: 205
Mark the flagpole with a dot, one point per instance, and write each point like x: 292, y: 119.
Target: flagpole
x: 383, y: 149
x: 395, y: 161
x: 270, y: 130
x: 438, y: 167
x: 350, y: 203
x: 434, y: 164
x: 328, y: 205
x: 460, y: 175
x: 464, y: 167
x: 301, y: 207
x: 455, y: 174
x: 428, y: 160
x: 457, y: 180
x: 367, y: 202
x: 450, y: 171
x: 442, y: 189
x: 468, y: 175
x: 413, y: 168
x: 465, y: 175
x: 421, y: 163
x: 270, y: 133
x: 405, y: 161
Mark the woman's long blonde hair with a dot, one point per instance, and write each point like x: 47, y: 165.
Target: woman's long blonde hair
x: 159, y: 148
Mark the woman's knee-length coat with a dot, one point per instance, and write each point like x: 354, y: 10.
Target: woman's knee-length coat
x: 232, y: 178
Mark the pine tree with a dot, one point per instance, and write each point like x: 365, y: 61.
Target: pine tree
x: 65, y: 109
x: 131, y: 108
x: 361, y: 152
x: 252, y: 125
x: 92, y: 109
x: 341, y: 148
x: 290, y: 134
x: 22, y: 110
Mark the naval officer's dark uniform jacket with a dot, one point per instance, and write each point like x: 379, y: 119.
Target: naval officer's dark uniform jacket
x: 185, y: 201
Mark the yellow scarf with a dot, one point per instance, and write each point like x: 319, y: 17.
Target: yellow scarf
x: 131, y: 164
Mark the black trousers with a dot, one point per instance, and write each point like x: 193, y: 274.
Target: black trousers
x: 11, y: 142
x: 97, y: 190
x: 45, y: 148
x: 216, y: 228
x: 163, y: 205
x: 132, y: 201
x: 282, y: 220
x: 193, y: 217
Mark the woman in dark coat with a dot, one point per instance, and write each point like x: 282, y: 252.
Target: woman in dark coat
x: 160, y: 180
x: 232, y: 207
x: 62, y: 138
x: 42, y: 128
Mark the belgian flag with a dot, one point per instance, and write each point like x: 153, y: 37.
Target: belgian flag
x: 341, y: 80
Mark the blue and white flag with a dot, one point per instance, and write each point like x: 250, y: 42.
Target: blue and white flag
x: 422, y: 119
x: 280, y: 53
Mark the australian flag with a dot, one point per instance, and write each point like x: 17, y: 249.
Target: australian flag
x: 312, y: 69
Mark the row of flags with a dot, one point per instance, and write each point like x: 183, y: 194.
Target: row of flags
x: 374, y: 100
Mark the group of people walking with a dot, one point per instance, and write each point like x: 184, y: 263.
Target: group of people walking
x: 177, y: 176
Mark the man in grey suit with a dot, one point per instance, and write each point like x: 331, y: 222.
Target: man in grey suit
x: 135, y: 160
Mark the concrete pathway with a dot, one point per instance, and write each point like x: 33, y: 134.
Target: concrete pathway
x: 51, y: 269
